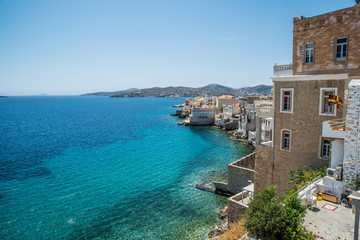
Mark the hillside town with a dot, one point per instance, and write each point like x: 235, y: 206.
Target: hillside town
x: 311, y: 121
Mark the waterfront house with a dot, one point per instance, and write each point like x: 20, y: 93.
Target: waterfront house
x: 201, y: 116
x: 229, y: 117
x: 326, y: 58
x: 306, y: 130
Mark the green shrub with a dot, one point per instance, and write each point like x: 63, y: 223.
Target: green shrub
x: 271, y: 217
x: 302, y: 176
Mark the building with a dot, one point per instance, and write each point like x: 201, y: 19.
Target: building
x: 225, y: 100
x: 202, y: 116
x: 247, y: 118
x: 229, y: 118
x: 264, y: 122
x: 326, y: 58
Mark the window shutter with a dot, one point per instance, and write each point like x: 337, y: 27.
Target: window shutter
x: 347, y: 47
x: 335, y: 49
x: 304, y: 53
x: 314, y: 53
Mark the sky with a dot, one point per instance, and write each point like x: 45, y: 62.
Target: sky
x: 72, y: 47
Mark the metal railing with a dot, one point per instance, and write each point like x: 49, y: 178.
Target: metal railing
x: 307, y: 185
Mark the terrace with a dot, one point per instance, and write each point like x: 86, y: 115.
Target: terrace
x: 329, y: 217
x: 330, y: 221
x: 238, y: 203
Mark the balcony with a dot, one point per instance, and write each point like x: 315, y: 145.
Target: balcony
x: 265, y: 128
x: 281, y: 70
x: 265, y: 112
x: 334, y: 128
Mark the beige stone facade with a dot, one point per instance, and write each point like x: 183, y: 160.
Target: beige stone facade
x: 263, y: 167
x: 323, y: 31
x: 220, y: 102
x: 304, y: 125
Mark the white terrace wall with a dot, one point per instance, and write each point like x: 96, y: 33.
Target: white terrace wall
x: 351, y: 162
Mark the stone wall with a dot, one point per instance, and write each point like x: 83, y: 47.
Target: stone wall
x: 246, y: 162
x: 322, y: 31
x: 351, y: 163
x: 263, y: 167
x: 240, y: 172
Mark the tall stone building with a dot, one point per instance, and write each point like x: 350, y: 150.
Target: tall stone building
x: 326, y: 57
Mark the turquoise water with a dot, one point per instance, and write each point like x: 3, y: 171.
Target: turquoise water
x: 107, y: 168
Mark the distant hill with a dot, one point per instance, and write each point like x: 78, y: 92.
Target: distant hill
x: 259, y: 89
x: 218, y: 87
x: 110, y: 93
x: 209, y: 90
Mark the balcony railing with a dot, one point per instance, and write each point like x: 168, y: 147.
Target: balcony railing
x: 283, y: 69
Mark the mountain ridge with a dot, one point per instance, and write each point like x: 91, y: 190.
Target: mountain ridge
x: 180, y: 91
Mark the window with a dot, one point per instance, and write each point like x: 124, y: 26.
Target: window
x: 286, y: 100
x: 325, y: 148
x: 267, y: 134
x: 341, y: 46
x: 285, y: 140
x: 309, y: 53
x: 324, y: 108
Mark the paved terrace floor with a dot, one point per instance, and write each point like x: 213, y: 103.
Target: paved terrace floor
x: 330, y: 221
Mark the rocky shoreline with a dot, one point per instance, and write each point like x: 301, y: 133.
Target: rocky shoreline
x: 223, y: 226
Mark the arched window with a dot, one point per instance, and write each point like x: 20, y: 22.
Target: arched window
x: 285, y: 139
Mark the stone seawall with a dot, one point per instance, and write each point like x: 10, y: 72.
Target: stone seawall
x: 239, y: 174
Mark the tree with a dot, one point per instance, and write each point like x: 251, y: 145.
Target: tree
x: 272, y: 217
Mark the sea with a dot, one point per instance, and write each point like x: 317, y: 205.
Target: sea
x: 78, y: 167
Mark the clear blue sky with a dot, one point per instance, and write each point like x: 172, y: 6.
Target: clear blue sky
x: 79, y: 46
